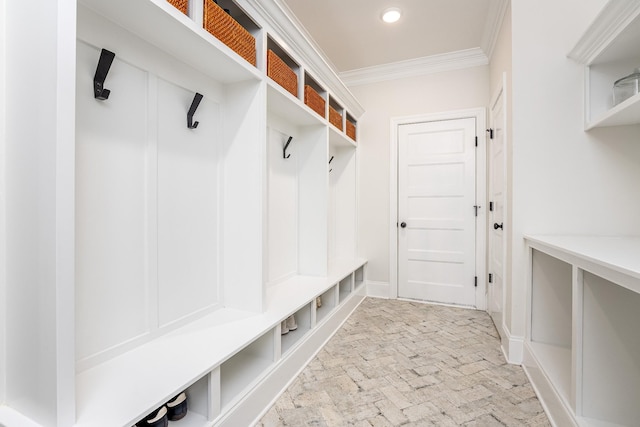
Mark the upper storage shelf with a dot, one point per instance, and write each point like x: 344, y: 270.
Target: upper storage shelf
x: 608, y: 50
x: 164, y: 26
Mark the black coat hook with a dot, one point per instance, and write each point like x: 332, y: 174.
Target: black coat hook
x: 284, y: 149
x: 194, y: 106
x: 330, y: 160
x: 104, y: 64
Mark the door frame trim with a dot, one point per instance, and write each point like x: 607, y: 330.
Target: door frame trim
x: 480, y: 114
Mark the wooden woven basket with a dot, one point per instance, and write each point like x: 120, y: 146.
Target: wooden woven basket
x: 351, y: 130
x: 181, y: 5
x: 335, y: 118
x: 314, y: 100
x: 228, y: 31
x: 281, y: 73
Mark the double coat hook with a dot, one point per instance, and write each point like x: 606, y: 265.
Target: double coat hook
x: 104, y: 64
x: 194, y: 106
x: 284, y: 149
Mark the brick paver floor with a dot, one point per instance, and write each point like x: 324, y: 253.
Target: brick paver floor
x: 401, y: 363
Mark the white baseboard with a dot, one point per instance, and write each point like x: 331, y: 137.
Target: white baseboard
x: 512, y: 346
x: 557, y: 410
x: 378, y: 289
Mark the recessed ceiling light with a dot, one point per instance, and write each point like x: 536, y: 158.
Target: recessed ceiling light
x: 391, y: 15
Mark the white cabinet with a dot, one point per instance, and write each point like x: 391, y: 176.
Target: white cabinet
x: 582, y: 349
x: 609, y: 51
x: 185, y: 248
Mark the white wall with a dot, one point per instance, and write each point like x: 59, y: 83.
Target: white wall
x: 453, y: 90
x: 565, y: 180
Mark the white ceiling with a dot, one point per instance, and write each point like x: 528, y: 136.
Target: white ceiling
x: 353, y: 37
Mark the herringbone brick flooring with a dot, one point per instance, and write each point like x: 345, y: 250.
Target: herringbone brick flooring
x: 399, y: 363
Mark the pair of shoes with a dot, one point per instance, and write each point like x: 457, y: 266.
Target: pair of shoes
x: 289, y: 324
x: 318, y: 302
x: 173, y: 410
x: 177, y: 407
x: 157, y: 418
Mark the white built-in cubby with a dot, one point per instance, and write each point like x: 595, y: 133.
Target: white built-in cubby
x: 582, y: 350
x: 608, y: 50
x: 176, y: 252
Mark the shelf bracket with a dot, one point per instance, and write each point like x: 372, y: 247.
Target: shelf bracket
x: 284, y: 149
x: 104, y: 64
x: 192, y: 110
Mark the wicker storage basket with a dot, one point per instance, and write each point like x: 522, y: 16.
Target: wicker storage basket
x: 228, y: 31
x: 280, y: 72
x: 351, y: 130
x: 335, y: 118
x: 314, y: 100
x: 181, y: 5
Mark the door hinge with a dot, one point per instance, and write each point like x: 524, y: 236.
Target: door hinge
x: 475, y: 281
x: 490, y: 133
x: 476, y: 141
x: 490, y: 278
x: 491, y: 206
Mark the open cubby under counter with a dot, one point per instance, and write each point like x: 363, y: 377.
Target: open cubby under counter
x: 581, y: 348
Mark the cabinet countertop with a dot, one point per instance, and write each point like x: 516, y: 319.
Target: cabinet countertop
x: 617, y: 253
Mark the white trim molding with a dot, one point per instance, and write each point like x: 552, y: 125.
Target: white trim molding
x: 480, y: 114
x: 296, y: 39
x: 512, y: 347
x: 495, y: 16
x: 612, y: 19
x: 416, y: 67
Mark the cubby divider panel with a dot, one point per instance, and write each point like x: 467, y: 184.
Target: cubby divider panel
x: 245, y: 368
x: 303, y: 322
x: 328, y: 302
x: 611, y: 352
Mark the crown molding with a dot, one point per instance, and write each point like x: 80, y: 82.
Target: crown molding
x: 286, y: 28
x: 416, y: 67
x: 612, y: 19
x: 495, y: 17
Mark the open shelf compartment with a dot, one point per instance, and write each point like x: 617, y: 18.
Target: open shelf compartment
x: 245, y: 368
x: 610, y: 352
x: 303, y: 321
x: 181, y: 36
x: 328, y: 301
x: 283, y: 69
x: 551, y: 318
x: 345, y: 287
x: 358, y: 278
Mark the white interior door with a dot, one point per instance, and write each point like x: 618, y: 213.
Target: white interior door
x: 436, y: 215
x: 497, y: 197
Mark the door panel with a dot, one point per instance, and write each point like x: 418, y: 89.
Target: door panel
x: 497, y: 173
x: 436, y: 195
